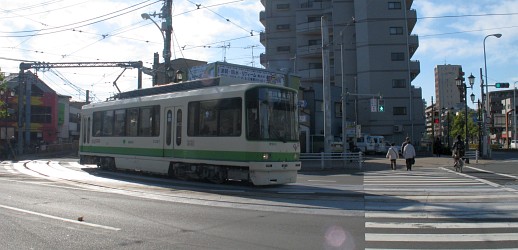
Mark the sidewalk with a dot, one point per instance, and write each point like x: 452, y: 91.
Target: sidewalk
x: 379, y: 163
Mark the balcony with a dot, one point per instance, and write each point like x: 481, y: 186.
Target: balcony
x: 411, y: 19
x: 262, y: 17
x: 262, y: 38
x: 415, y: 68
x: 310, y: 74
x: 313, y: 5
x: 309, y: 28
x: 309, y: 51
x: 413, y: 43
x: 263, y: 59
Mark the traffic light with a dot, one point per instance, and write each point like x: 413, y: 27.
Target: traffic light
x: 500, y: 85
x: 381, y: 105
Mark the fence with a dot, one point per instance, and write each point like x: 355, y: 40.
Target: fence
x: 471, y: 155
x: 334, y: 159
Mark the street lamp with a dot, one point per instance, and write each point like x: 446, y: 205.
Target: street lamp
x: 448, y: 112
x: 166, y: 53
x: 479, y: 105
x: 488, y: 149
x: 463, y: 88
x: 514, y: 114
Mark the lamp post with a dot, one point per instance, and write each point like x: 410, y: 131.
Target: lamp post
x: 463, y: 88
x: 344, y: 91
x: 448, y: 113
x: 166, y: 31
x: 479, y: 105
x: 514, y: 114
x: 486, y: 109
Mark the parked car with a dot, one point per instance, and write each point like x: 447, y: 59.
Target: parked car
x: 514, y: 144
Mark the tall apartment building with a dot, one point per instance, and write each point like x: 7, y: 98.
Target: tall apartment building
x: 446, y: 92
x: 370, y: 47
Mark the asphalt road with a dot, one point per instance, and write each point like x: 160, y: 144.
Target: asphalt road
x: 46, y: 206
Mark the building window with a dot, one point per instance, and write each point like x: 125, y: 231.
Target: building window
x: 338, y: 109
x: 283, y: 6
x: 283, y: 27
x: 396, y: 30
x: 399, y: 111
x: 398, y: 83
x: 314, y: 19
x: 315, y: 65
x: 398, y: 56
x: 394, y: 5
x: 283, y: 49
x: 313, y: 42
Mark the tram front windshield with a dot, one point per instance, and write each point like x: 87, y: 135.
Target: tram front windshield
x: 271, y: 114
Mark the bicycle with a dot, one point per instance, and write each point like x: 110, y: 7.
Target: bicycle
x: 458, y: 163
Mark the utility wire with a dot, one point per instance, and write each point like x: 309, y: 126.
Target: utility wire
x: 63, y: 27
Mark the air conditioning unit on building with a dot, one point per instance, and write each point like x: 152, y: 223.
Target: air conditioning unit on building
x: 398, y: 128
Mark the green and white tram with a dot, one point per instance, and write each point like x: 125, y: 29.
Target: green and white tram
x: 245, y: 132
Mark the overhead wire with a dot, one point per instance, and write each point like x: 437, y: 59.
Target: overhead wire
x: 67, y: 27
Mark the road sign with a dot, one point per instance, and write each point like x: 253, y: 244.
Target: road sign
x: 374, y: 105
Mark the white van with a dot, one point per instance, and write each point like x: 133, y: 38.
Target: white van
x: 514, y: 144
x: 379, y: 144
x: 371, y: 144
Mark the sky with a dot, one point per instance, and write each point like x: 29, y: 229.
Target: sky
x: 450, y: 32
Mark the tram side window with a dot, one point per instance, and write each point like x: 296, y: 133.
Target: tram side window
x: 215, y: 117
x: 107, y: 123
x: 87, y: 130
x: 149, y: 121
x: 119, y: 125
x: 179, y: 127
x: 132, y: 122
x: 83, y: 130
x: 97, y: 123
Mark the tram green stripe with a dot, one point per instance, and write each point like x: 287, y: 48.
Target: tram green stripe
x: 192, y: 154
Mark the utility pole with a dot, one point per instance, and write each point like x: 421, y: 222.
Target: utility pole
x: 326, y: 84
x: 168, y: 28
x: 21, y: 94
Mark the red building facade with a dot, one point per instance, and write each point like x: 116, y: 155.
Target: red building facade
x: 43, y: 111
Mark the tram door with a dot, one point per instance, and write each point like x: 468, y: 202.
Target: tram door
x: 173, y: 130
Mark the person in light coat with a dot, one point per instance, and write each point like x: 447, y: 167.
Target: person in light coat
x: 392, y: 155
x: 409, y: 155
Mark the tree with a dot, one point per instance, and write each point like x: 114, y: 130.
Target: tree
x: 459, y: 126
x: 3, y: 86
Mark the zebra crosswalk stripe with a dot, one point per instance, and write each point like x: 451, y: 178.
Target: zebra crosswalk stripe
x: 436, y: 205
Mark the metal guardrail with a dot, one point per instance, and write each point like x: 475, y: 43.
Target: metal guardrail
x: 329, y: 158
x: 471, y: 155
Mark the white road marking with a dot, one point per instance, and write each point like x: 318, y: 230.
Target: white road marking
x: 321, y: 181
x: 60, y: 218
x: 442, y: 215
x: 491, y: 172
x: 441, y: 225
x: 441, y: 237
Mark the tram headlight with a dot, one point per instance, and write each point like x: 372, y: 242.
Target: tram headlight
x: 266, y: 156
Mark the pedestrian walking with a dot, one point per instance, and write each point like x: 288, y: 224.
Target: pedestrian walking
x: 437, y: 147
x: 407, y: 140
x: 392, y: 155
x: 409, y: 155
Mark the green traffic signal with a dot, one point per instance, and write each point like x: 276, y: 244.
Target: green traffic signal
x: 499, y: 85
x: 381, y: 105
